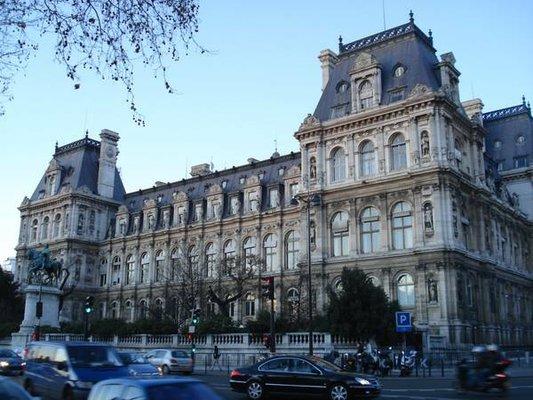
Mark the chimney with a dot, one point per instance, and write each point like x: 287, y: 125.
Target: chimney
x: 107, y: 163
x: 328, y: 59
x: 200, y: 170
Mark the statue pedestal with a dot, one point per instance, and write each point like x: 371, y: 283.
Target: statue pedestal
x: 50, y: 317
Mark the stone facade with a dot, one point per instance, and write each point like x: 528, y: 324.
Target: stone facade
x: 401, y: 168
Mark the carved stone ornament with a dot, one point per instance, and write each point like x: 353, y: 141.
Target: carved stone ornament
x: 214, y: 189
x: 179, y: 196
x: 122, y: 209
x: 363, y: 60
x: 309, y: 121
x: 293, y: 171
x: 419, y: 90
x: 150, y: 203
x: 25, y: 201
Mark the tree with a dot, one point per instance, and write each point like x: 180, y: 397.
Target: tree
x: 360, y: 310
x: 11, y: 303
x: 103, y: 36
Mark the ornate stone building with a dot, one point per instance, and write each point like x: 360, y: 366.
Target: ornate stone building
x: 409, y: 191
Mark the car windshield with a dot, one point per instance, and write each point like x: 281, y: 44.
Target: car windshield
x: 180, y: 354
x: 4, y: 353
x: 326, y: 365
x: 93, y: 356
x: 181, y: 391
x: 132, y: 358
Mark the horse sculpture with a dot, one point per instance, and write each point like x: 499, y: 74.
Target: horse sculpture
x: 43, y: 268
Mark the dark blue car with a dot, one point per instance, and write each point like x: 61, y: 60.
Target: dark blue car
x: 162, y: 388
x: 68, y: 370
x: 138, y: 365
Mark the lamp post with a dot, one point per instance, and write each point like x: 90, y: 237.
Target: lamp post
x: 309, y: 200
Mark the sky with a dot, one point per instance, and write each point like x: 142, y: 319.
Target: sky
x: 254, y: 86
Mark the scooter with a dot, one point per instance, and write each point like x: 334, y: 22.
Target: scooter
x: 498, y: 379
x: 407, y: 363
x: 385, y: 362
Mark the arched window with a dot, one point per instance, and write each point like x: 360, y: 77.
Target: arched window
x: 101, y: 310
x: 174, y: 264
x: 340, y: 234
x: 368, y: 159
x: 229, y: 250
x: 402, y: 226
x: 143, y: 309
x: 292, y: 248
x: 193, y: 258
x: 57, y: 225
x: 366, y: 95
x: 159, y: 265
x: 145, y: 268
x: 210, y: 259
x: 158, y: 309
x: 249, y: 305
x: 115, y: 311
x: 406, y: 291
x: 44, y: 228
x: 337, y: 285
x: 128, y: 311
x: 115, y: 271
x: 373, y: 280
x: 338, y: 165
x: 270, y: 245
x: 103, y: 272
x: 293, y: 300
x: 370, y: 230
x: 398, y: 153
x: 130, y: 270
x: 34, y: 228
x: 312, y: 168
x: 248, y: 246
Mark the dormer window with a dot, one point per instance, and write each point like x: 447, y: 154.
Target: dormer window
x: 224, y: 184
x: 342, y: 87
x: 159, y: 198
x: 366, y: 94
x: 399, y: 71
x: 241, y: 180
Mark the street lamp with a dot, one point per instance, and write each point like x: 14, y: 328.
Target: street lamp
x: 309, y: 200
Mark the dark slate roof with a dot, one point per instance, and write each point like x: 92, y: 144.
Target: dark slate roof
x: 406, y: 45
x: 506, y: 125
x: 79, y: 164
x: 196, y: 188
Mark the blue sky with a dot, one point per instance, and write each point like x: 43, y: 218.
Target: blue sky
x: 259, y: 80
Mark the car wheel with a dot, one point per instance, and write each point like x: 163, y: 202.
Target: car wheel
x: 338, y: 392
x: 255, y: 390
x: 165, y: 370
x: 28, y: 386
x: 68, y: 394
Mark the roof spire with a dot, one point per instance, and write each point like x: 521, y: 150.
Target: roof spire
x: 430, y: 36
x: 523, y: 100
x: 57, y: 145
x: 340, y: 44
x: 86, y: 133
x: 411, y: 19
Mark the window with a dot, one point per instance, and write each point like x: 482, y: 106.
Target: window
x: 115, y: 271
x: 103, y: 272
x: 234, y: 205
x: 114, y: 310
x: 342, y: 87
x: 273, y: 198
x: 338, y: 165
x: 520, y: 162
x: 312, y: 168
x: 340, y: 234
x: 210, y: 258
x: 193, y: 258
x: 402, y: 226
x: 249, y: 305
x: 143, y: 308
x: 229, y: 253
x: 130, y: 270
x: 134, y: 393
x: 34, y: 227
x: 398, y: 152
x: 44, y: 228
x: 248, y: 246
x: 293, y: 190
x: 231, y: 309
x: 270, y: 244
x: 406, y: 291
x: 279, y: 364
x: 340, y: 110
x: 370, y: 230
x: 368, y: 159
x: 57, y: 226
x: 145, y: 268
x: 302, y: 367
x: 292, y: 249
x: 366, y: 94
x: 159, y: 265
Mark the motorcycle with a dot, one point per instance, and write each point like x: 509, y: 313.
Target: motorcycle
x: 470, y: 378
x: 407, y: 363
x: 384, y: 362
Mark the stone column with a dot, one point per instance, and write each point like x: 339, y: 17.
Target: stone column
x: 350, y: 148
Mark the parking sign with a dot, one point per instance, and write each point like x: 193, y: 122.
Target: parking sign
x: 403, y: 322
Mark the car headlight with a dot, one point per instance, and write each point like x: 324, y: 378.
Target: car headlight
x: 133, y: 372
x: 361, y: 381
x: 84, y: 385
x: 4, y: 364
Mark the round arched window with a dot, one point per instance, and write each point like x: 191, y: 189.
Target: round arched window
x: 520, y: 139
x: 399, y: 71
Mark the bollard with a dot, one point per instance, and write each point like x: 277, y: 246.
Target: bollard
x: 429, y: 369
x: 527, y: 358
x: 442, y: 368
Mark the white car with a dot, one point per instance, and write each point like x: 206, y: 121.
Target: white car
x: 169, y: 361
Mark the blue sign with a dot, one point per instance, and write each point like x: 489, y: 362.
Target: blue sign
x: 403, y: 322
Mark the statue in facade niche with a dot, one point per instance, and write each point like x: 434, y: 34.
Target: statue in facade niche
x: 122, y: 226
x: 216, y: 210
x: 312, y: 168
x: 428, y: 216
x: 166, y: 218
x: 254, y: 201
x: 235, y: 205
x: 136, y: 223
x: 424, y: 145
x: 151, y: 221
x: 433, y: 291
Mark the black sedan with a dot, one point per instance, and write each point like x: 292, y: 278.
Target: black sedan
x: 11, y: 363
x: 302, y: 375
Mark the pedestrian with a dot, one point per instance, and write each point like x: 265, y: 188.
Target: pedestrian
x: 216, y: 357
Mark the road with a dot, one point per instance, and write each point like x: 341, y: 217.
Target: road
x: 401, y: 388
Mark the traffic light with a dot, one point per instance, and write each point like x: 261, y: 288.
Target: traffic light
x: 196, y: 316
x: 193, y: 348
x: 89, y: 301
x: 39, y: 309
x: 268, y: 287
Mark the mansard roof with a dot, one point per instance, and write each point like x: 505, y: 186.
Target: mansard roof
x: 404, y: 45
x: 197, y: 188
x: 78, y: 162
